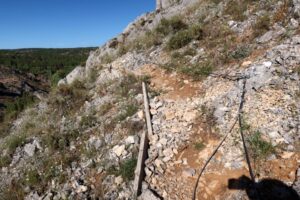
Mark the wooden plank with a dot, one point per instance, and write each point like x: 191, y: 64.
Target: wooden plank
x: 144, y: 142
x: 147, y: 111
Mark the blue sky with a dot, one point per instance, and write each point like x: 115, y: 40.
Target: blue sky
x: 65, y: 23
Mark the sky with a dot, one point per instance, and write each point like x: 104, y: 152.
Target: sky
x: 65, y: 23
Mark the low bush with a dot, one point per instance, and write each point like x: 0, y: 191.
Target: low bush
x: 168, y: 26
x: 262, y: 25
x: 198, y: 71
x: 236, y: 9
x: 127, y: 169
x: 260, y: 148
x: 240, y: 52
x: 184, y: 37
x: 18, y: 105
x: 129, y: 85
x: 14, y: 141
x: 32, y: 179
x: 128, y: 111
x: 14, y: 191
x: 180, y: 39
x: 4, y: 161
x: 199, y: 146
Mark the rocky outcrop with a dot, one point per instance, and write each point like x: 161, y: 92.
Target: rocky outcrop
x: 78, y: 74
x: 14, y: 84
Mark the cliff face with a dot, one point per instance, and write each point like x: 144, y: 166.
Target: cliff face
x: 14, y: 84
x: 198, y: 58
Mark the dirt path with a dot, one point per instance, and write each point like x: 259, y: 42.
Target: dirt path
x: 180, y: 174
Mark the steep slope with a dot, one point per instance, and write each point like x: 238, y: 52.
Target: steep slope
x: 82, y: 142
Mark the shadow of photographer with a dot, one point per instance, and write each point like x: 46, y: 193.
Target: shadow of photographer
x: 265, y: 189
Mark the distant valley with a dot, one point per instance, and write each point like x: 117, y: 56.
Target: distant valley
x: 27, y: 73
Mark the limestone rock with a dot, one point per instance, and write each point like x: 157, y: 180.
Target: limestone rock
x: 148, y: 195
x: 77, y: 74
x: 119, y: 150
x: 189, y: 172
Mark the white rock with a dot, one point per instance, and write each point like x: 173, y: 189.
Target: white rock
x: 118, y: 180
x: 190, y: 115
x: 30, y: 149
x: 148, y: 195
x: 119, y: 150
x: 163, y: 141
x: 81, y: 189
x: 140, y: 114
x: 287, y: 155
x: 267, y: 64
x: 246, y: 63
x: 130, y: 140
x: 189, y: 172
x: 294, y: 23
x: 168, y: 152
x: 77, y: 74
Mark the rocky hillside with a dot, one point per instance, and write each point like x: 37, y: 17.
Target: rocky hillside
x: 199, y: 58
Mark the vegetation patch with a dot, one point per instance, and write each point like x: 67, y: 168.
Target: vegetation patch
x: 168, y: 26
x: 14, y: 141
x: 262, y: 25
x: 126, y: 169
x: 18, y: 105
x: 14, y: 191
x: 260, y: 148
x: 240, y: 52
x: 236, y: 9
x: 198, y: 71
x: 199, y: 146
x: 184, y: 37
x: 128, y: 111
x: 5, y: 161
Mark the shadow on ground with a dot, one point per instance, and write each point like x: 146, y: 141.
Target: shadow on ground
x: 266, y: 189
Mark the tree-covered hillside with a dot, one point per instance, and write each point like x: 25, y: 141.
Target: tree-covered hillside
x: 53, y: 63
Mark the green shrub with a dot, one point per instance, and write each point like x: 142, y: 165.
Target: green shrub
x: 262, y: 25
x: 179, y: 40
x: 184, y: 37
x: 133, y: 127
x: 5, y: 161
x: 198, y: 71
x: 128, y: 111
x: 199, y: 146
x: 18, y: 105
x: 14, y: 191
x: 107, y: 58
x: 14, y: 141
x: 69, y: 98
x: 196, y: 32
x: 260, y: 149
x: 105, y: 108
x: 127, y: 169
x: 88, y: 121
x: 58, y: 141
x: 190, y: 52
x: 241, y: 52
x: 32, y: 178
x: 236, y: 9
x: 168, y: 26
x: 129, y: 83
